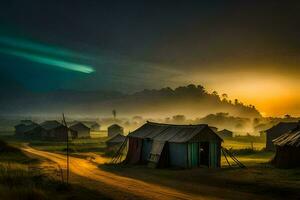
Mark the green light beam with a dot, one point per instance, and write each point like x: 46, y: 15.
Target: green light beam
x: 28, y: 45
x: 50, y: 61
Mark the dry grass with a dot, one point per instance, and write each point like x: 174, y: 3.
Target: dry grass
x: 21, y: 178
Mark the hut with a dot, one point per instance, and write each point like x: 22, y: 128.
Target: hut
x: 287, y: 150
x: 276, y: 131
x: 225, y: 133
x: 115, y: 140
x: 56, y: 131
x: 30, y: 131
x: 115, y: 129
x: 169, y: 145
x: 82, y: 131
x: 94, y: 126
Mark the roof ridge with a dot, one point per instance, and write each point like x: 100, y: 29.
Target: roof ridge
x: 166, y: 124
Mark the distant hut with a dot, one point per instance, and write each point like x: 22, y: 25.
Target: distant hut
x: 287, y: 150
x: 168, y: 145
x: 81, y: 129
x: 28, y: 130
x: 115, y: 140
x: 56, y: 131
x: 94, y: 126
x: 115, y: 129
x: 225, y: 133
x: 276, y: 131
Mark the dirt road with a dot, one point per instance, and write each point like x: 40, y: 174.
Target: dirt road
x: 87, y: 174
x: 118, y: 187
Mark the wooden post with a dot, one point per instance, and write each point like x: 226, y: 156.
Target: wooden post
x: 68, y: 161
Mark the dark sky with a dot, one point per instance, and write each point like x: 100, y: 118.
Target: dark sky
x: 130, y: 45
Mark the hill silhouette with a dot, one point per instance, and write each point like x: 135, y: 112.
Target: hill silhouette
x: 190, y: 100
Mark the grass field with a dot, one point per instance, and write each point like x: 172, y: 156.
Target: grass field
x: 22, y: 178
x: 257, y: 179
x: 234, y: 144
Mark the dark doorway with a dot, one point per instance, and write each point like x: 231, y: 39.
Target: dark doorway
x: 204, y: 153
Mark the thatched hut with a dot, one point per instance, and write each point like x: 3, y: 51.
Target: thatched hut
x: 288, y: 149
x: 168, y: 145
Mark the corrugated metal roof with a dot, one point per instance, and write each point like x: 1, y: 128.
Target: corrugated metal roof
x: 79, y: 127
x: 26, y: 128
x: 168, y: 132
x: 291, y: 138
x: 282, y: 127
x: 48, y: 125
x: 115, y: 126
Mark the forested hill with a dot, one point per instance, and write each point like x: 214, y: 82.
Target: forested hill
x: 189, y: 100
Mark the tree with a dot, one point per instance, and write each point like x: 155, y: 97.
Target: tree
x: 287, y: 116
x: 236, y: 102
x: 215, y: 93
x: 224, y: 96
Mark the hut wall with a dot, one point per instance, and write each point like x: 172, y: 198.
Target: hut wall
x: 269, y: 144
x: 178, y: 155
x: 287, y: 157
x: 134, y: 151
x: 83, y: 133
x: 213, y: 154
x: 147, y: 145
x: 59, y: 133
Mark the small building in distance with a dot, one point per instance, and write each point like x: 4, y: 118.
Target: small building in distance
x: 28, y: 130
x: 225, y: 133
x: 94, y: 126
x: 81, y: 129
x: 276, y: 131
x: 56, y: 131
x: 114, y: 130
x: 287, y: 150
x: 115, y: 140
x: 169, y: 145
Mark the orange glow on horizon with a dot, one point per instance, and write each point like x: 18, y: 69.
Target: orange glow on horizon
x: 272, y: 95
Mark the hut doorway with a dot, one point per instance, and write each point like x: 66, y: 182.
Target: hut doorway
x: 204, y: 153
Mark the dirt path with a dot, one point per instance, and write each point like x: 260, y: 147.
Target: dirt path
x: 86, y: 173
x: 114, y: 186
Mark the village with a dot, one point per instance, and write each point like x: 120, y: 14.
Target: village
x: 168, y: 145
x: 149, y: 100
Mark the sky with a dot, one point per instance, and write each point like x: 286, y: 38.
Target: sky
x: 246, y: 49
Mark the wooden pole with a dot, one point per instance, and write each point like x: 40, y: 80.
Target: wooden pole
x: 225, y: 157
x: 68, y: 161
